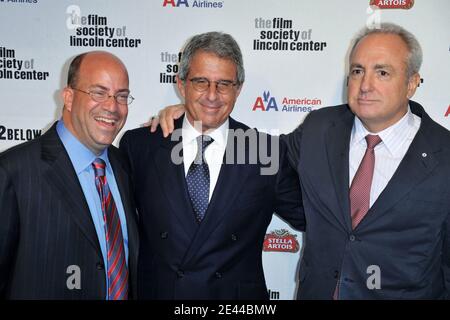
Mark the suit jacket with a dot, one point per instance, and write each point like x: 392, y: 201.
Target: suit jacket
x: 405, y: 233
x: 46, y: 225
x: 220, y: 258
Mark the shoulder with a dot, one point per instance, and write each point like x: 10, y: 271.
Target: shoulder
x: 140, y: 137
x: 27, y: 151
x: 433, y: 131
x: 329, y: 113
x: 242, y: 132
x: 436, y: 133
x: 142, y: 133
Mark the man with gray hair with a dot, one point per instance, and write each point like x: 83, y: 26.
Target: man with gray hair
x: 203, y: 225
x: 374, y: 176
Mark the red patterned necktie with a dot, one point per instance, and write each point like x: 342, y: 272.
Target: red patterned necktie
x: 117, y: 267
x: 362, y: 182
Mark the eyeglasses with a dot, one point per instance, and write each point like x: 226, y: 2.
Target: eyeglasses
x: 222, y: 86
x: 123, y: 98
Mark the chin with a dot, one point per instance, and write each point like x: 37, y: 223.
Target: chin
x: 210, y: 123
x: 105, y: 141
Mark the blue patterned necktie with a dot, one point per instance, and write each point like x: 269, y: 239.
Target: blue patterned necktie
x: 197, y: 179
x: 117, y: 267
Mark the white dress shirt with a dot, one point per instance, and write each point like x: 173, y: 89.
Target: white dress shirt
x: 213, y: 154
x: 396, y: 140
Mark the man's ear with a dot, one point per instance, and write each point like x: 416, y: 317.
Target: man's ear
x: 239, y: 90
x: 67, y: 95
x: 180, y: 85
x: 413, y: 83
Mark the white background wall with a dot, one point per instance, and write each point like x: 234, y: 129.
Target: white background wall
x: 39, y: 33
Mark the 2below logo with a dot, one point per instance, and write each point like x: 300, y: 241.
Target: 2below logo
x: 281, y: 241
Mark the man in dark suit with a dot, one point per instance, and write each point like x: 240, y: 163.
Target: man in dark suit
x: 374, y: 175
x: 375, y: 178
x: 205, y: 202
x: 68, y: 228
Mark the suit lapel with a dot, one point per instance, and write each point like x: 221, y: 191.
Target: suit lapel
x: 417, y: 164
x: 62, y: 178
x: 224, y: 195
x: 173, y: 182
x: 338, y: 144
x: 123, y: 184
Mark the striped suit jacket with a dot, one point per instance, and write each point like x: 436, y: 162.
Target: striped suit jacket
x: 47, y: 237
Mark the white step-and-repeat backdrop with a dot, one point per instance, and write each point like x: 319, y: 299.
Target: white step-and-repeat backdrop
x: 294, y: 51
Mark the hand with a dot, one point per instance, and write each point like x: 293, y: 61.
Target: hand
x: 166, y: 119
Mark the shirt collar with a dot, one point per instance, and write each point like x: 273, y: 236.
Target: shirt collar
x: 389, y: 136
x: 219, y: 134
x: 79, y: 154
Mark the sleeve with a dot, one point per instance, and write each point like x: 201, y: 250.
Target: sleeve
x: 292, y: 142
x: 289, y: 204
x: 124, y: 147
x: 9, y: 229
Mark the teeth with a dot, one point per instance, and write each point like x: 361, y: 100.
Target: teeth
x: 110, y: 121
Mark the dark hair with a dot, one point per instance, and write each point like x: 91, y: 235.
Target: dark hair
x: 74, y: 68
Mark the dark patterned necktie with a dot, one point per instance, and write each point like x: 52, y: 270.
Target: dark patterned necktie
x: 197, y: 179
x: 362, y: 182
x: 117, y: 267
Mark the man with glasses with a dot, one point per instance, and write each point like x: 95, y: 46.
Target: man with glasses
x: 203, y: 213
x: 375, y: 178
x: 68, y: 228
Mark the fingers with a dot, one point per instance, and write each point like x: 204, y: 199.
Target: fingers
x: 166, y: 122
x: 167, y: 118
x: 154, y: 122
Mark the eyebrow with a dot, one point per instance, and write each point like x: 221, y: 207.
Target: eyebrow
x: 99, y: 86
x: 377, y: 66
x: 383, y: 66
x: 220, y: 80
x: 356, y: 65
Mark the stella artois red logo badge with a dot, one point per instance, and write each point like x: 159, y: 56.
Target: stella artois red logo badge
x: 392, y: 4
x: 281, y: 241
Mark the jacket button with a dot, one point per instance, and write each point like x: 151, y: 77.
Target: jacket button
x: 233, y: 237
x: 164, y: 235
x: 352, y: 238
x: 218, y: 275
x: 100, y: 266
x: 180, y: 274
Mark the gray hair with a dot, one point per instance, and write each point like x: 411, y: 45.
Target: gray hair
x: 221, y: 44
x: 415, y: 56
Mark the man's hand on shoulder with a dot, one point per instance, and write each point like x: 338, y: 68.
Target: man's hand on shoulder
x: 166, y: 118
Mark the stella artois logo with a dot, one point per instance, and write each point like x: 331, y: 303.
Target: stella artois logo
x: 392, y: 4
x: 281, y: 241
